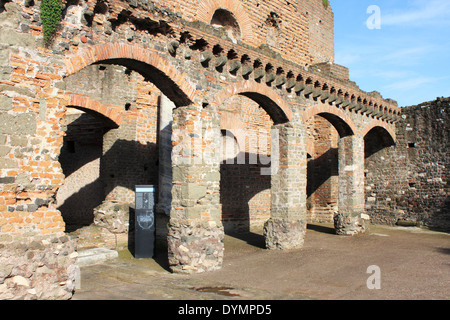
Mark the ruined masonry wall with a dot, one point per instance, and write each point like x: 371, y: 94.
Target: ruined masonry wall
x: 409, y: 183
x: 323, y: 175
x: 252, y: 207
x: 43, y: 269
x: 35, y: 93
x: 301, y: 31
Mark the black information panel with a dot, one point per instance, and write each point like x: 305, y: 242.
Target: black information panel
x: 145, y: 222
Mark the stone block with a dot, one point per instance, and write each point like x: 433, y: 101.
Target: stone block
x: 194, y: 212
x: 7, y: 180
x: 18, y: 141
x: 96, y: 256
x: 212, y: 176
x: 4, y: 150
x: 17, y: 39
x: 22, y: 124
x: 193, y: 191
x: 5, y: 103
x: 17, y: 90
x: 177, y: 174
x: 282, y: 234
x: 4, y: 56
x: 8, y: 164
x: 11, y: 16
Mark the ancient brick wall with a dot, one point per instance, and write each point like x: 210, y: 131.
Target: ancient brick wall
x: 323, y: 175
x: 321, y: 31
x: 301, y: 31
x: 80, y: 156
x: 251, y: 128
x: 416, y: 191
x: 115, y: 61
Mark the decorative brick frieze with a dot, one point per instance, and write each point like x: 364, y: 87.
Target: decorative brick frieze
x: 101, y: 86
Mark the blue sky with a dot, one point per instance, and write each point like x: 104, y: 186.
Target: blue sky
x: 407, y: 59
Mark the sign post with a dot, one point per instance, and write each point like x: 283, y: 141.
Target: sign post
x: 145, y: 222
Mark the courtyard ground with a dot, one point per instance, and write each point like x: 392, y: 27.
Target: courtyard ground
x: 413, y: 263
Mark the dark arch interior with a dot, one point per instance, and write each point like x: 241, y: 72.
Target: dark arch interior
x: 244, y: 190
x: 377, y: 139
x: 106, y: 122
x: 227, y: 20
x: 156, y: 76
x: 273, y: 110
x: 341, y: 126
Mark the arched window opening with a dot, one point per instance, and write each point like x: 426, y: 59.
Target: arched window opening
x: 225, y: 19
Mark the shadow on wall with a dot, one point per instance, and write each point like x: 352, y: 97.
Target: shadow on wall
x: 321, y: 186
x: 80, y: 162
x: 376, y: 140
x: 126, y: 164
x: 245, y: 193
x: 440, y: 220
x: 321, y: 169
x: 245, y: 196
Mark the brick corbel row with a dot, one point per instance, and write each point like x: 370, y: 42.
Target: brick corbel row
x: 301, y: 82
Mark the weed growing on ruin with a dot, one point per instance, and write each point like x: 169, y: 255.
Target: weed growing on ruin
x: 51, y: 12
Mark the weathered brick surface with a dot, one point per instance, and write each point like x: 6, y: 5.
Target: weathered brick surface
x: 287, y: 226
x: 412, y: 186
x: 39, y: 269
x: 114, y: 61
x: 323, y: 175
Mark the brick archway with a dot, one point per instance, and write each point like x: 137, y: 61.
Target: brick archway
x: 378, y: 123
x: 207, y: 8
x: 342, y: 122
x: 87, y: 104
x: 168, y: 79
x: 269, y: 100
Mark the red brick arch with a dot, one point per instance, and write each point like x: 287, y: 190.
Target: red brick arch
x: 378, y: 123
x: 174, y: 83
x: 269, y: 100
x: 207, y: 8
x: 109, y: 111
x: 337, y: 117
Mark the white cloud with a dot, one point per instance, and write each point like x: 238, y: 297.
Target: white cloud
x: 346, y: 59
x: 407, y: 56
x: 412, y: 83
x: 393, y: 74
x: 429, y: 12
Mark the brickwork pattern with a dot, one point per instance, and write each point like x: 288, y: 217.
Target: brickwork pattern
x: 414, y: 188
x: 323, y: 176
x: 198, y: 70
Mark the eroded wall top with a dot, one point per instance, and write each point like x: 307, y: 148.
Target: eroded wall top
x: 302, y: 31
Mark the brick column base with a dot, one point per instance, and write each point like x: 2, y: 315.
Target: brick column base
x: 351, y: 225
x: 282, y: 234
x: 195, y: 246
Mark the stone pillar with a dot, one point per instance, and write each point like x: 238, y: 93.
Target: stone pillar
x: 351, y: 219
x: 165, y: 154
x: 286, y: 228
x: 196, y: 234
